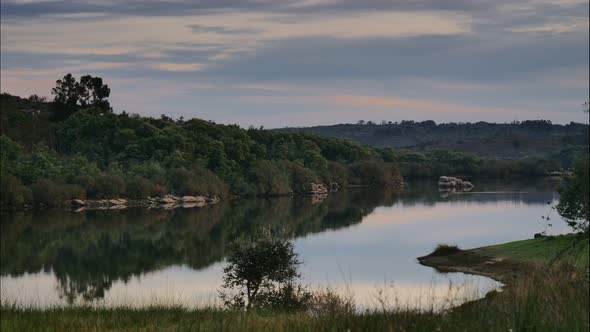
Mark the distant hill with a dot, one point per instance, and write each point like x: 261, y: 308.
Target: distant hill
x: 533, y: 138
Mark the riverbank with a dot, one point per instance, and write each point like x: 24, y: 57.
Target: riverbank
x: 509, y: 261
x: 552, y: 297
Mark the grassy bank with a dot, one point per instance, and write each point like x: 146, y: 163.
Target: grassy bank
x: 547, y: 291
x: 508, y: 261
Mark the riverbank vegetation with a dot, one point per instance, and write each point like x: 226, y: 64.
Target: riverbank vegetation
x: 76, y: 147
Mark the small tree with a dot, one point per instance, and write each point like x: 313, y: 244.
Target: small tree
x: 263, y: 274
x: 573, y: 203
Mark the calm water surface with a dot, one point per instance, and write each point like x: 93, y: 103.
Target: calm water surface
x: 359, y: 243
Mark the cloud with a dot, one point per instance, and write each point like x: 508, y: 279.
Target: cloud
x: 412, y: 105
x: 178, y: 67
x: 320, y: 60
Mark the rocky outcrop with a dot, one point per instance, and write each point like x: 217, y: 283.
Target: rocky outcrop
x: 454, y: 183
x: 119, y: 201
x: 194, y: 199
x: 163, y: 202
x: 78, y: 203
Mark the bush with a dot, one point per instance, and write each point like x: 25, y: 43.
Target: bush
x: 300, y: 178
x: 196, y: 181
x: 445, y: 249
x: 375, y: 174
x: 269, y: 179
x: 108, y: 186
x: 48, y: 193
x: 139, y: 187
x: 13, y: 193
x: 573, y: 203
x: 338, y: 173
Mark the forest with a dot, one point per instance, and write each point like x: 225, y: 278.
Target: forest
x: 76, y: 146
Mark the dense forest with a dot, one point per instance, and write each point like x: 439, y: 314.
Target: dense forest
x: 516, y: 140
x: 76, y: 146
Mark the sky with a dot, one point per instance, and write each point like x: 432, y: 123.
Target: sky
x: 279, y: 63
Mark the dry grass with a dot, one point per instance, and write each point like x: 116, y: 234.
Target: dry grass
x: 550, y: 299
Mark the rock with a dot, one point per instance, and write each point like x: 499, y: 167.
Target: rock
x: 193, y: 199
x: 450, y: 185
x: 192, y: 205
x: 78, y: 202
x: 167, y: 200
x: 467, y: 185
x: 318, y: 189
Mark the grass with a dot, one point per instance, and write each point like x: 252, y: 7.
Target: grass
x: 554, y: 296
x: 547, y: 250
x: 554, y: 300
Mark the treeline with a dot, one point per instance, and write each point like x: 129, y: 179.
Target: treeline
x: 515, y: 140
x: 77, y: 147
x: 48, y: 157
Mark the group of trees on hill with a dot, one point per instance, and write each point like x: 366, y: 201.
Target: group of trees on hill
x: 76, y: 147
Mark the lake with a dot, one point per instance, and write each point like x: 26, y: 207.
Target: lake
x: 361, y: 243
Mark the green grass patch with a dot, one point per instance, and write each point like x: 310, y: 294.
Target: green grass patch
x: 570, y: 248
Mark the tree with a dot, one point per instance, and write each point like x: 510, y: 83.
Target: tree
x: 90, y: 91
x: 573, y: 203
x: 263, y: 273
x: 95, y: 92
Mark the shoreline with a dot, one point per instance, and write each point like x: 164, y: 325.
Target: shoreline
x: 513, y: 260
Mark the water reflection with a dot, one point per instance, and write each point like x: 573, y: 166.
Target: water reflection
x: 132, y: 256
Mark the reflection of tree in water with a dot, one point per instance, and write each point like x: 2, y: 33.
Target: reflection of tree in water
x: 89, y: 251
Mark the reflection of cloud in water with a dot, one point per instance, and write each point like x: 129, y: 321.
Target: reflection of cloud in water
x: 181, y: 285
x: 364, y: 238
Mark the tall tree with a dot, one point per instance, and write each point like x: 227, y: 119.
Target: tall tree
x: 89, y: 92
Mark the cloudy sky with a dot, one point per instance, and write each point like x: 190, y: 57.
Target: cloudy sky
x: 283, y: 63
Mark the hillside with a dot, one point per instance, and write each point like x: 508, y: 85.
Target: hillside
x: 538, y: 138
x: 54, y: 151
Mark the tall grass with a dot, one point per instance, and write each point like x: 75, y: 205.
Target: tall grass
x: 548, y: 299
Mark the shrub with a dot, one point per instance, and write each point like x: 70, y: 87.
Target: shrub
x: 139, y: 187
x: 375, y: 173
x: 573, y: 203
x: 108, y: 186
x: 48, y: 193
x: 197, y: 180
x: 269, y: 179
x: 445, y: 249
x: 13, y: 193
x: 300, y: 177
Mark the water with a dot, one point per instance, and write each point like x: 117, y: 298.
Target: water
x: 360, y: 243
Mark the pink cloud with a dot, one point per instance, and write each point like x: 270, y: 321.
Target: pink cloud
x: 411, y: 104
